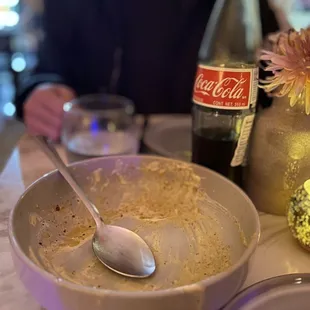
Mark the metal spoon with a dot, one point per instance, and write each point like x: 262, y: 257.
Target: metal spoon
x: 119, y: 249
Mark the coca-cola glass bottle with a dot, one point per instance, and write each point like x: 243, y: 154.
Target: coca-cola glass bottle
x: 226, y: 86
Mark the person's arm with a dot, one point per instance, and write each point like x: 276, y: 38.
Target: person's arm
x: 54, y: 51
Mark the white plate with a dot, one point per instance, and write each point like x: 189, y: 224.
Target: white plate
x: 289, y: 292
x: 171, y: 137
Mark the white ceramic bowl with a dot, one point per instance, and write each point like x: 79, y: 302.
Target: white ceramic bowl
x: 55, y: 293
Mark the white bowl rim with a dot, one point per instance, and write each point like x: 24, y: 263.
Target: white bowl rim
x: 134, y: 294
x: 265, y: 286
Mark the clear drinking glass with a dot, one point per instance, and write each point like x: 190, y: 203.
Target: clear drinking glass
x: 99, y: 125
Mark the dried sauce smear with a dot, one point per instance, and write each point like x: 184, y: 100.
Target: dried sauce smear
x: 164, y: 204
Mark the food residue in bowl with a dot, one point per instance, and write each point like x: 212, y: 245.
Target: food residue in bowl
x: 164, y: 204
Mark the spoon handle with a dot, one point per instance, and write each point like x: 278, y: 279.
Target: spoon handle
x: 50, y: 151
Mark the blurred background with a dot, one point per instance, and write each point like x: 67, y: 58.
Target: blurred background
x: 19, y: 35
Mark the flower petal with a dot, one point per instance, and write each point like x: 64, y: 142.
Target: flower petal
x: 289, y: 61
x: 307, y: 97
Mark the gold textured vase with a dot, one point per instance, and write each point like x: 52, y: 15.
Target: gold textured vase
x: 279, y: 156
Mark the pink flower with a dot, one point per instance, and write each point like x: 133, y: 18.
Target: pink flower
x: 289, y: 61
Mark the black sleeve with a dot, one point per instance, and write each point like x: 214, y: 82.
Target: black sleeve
x: 53, y: 53
x: 269, y: 25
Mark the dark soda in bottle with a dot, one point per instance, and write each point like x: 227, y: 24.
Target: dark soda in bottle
x: 226, y: 86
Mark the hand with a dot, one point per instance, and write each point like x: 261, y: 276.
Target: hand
x: 43, y: 109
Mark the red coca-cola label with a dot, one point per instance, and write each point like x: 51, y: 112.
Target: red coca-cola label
x: 225, y: 88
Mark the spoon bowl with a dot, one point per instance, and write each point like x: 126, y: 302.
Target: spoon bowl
x: 116, y: 256
x: 119, y: 249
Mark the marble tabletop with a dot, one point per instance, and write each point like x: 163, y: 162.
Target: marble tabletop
x: 277, y: 253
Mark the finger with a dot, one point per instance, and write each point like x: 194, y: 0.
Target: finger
x: 49, y: 100
x: 61, y: 91
x: 42, y: 114
x: 37, y: 127
x: 45, y: 116
x: 53, y: 105
x: 64, y: 92
x: 54, y: 98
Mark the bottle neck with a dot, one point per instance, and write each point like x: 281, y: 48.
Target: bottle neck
x: 233, y: 32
